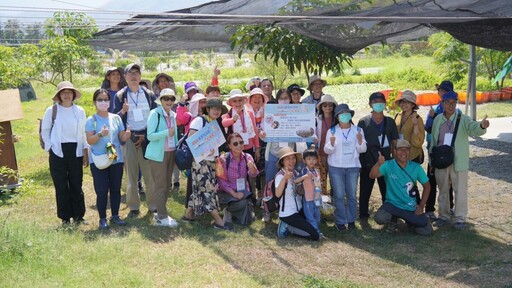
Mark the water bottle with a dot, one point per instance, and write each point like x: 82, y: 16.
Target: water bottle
x: 318, y: 196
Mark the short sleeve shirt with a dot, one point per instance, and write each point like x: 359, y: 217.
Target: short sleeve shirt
x: 115, y: 125
x: 398, y: 183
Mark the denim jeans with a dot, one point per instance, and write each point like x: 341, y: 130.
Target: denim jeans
x: 312, y: 213
x: 344, y: 184
x: 270, y: 167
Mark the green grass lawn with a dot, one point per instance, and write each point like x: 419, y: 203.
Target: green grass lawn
x: 36, y: 252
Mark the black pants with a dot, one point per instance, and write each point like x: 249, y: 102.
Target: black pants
x: 67, y: 174
x: 431, y: 202
x: 298, y: 220
x: 365, y: 191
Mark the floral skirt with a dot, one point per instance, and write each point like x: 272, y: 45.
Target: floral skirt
x: 204, y: 188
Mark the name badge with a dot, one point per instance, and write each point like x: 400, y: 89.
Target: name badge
x: 448, y: 139
x: 137, y: 115
x: 347, y: 147
x: 401, y: 136
x: 240, y: 184
x: 386, y: 143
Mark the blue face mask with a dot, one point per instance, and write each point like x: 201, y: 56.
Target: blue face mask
x: 378, y: 107
x: 345, y: 117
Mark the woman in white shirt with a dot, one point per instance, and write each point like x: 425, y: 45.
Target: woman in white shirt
x: 64, y: 138
x: 344, y: 142
x: 291, y: 215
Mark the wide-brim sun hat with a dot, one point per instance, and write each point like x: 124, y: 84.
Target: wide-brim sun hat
x: 191, y: 85
x: 197, y: 97
x: 63, y: 86
x: 258, y: 91
x: 147, y: 82
x: 343, y: 108
x: 408, y: 96
x: 326, y: 99
x: 214, y: 102
x: 316, y: 78
x: 287, y: 151
x: 167, y: 92
x: 154, y: 84
x: 235, y: 93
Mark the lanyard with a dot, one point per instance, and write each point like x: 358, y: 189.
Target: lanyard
x: 133, y: 100
x: 348, y: 133
x: 242, y: 120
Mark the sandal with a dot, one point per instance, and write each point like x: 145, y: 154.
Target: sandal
x: 186, y: 219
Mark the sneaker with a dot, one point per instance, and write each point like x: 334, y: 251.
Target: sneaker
x: 166, y: 222
x: 133, y: 214
x: 282, y: 229
x: 226, y: 227
x: 351, y: 226
x: 103, y: 223
x: 340, y: 227
x: 439, y: 222
x: 266, y: 217
x: 117, y: 220
x: 459, y: 225
x: 431, y: 215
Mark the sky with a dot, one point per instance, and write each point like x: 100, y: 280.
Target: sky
x: 109, y: 12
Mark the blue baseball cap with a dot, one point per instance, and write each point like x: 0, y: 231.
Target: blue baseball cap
x: 450, y: 95
x: 445, y: 85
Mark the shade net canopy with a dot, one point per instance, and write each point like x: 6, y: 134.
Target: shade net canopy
x: 483, y: 23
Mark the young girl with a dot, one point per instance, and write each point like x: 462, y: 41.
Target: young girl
x: 309, y: 176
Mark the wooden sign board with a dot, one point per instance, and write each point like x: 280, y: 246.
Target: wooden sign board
x: 10, y: 105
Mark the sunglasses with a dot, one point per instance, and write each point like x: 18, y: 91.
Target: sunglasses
x: 235, y: 144
x: 165, y: 98
x: 102, y: 100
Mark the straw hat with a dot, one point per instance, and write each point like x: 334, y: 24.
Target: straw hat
x: 287, y: 151
x: 63, y: 86
x: 408, y: 96
x: 326, y: 99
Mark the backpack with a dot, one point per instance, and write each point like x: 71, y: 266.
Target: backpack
x: 54, y: 115
x: 183, y: 155
x: 270, y: 200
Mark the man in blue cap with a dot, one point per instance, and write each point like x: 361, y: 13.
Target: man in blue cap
x: 444, y: 129
x: 445, y: 86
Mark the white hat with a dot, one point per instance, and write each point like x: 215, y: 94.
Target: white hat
x: 235, y: 93
x: 168, y: 92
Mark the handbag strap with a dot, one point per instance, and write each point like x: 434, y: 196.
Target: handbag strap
x: 109, y: 124
x: 457, y: 121
x: 413, y: 181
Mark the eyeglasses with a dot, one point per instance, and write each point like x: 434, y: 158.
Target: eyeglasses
x: 165, y: 98
x: 235, y: 144
x: 102, y: 100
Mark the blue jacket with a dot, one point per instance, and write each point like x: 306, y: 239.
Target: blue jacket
x: 157, y: 133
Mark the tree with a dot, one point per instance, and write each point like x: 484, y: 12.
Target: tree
x: 34, y: 33
x: 13, y: 32
x: 491, y: 62
x: 16, y: 65
x: 67, y: 45
x: 297, y: 52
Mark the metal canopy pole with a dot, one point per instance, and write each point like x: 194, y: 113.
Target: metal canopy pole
x: 472, y: 79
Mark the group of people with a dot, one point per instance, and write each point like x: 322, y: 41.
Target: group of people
x: 138, y: 129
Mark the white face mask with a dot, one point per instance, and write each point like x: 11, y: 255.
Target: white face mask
x: 287, y: 101
x: 102, y: 106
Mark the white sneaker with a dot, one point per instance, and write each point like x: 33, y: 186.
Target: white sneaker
x: 166, y: 222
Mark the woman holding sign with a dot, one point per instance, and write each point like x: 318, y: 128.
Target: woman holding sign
x: 232, y: 171
x: 203, y: 196
x: 163, y: 137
